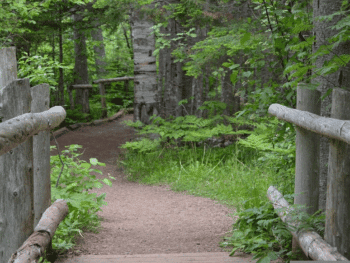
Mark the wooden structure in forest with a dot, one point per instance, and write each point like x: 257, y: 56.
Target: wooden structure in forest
x: 337, y: 128
x: 85, y: 98
x: 101, y: 83
x: 25, y: 187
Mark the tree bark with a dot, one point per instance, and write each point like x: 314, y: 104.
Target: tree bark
x: 99, y: 49
x: 60, y: 70
x: 80, y: 67
x: 145, y: 81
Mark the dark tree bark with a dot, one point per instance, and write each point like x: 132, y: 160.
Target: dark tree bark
x: 60, y: 91
x: 99, y: 49
x: 80, y: 67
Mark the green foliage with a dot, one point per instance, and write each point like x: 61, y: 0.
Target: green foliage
x: 188, y: 128
x: 39, y: 69
x: 76, y: 115
x: 260, y: 231
x: 73, y: 185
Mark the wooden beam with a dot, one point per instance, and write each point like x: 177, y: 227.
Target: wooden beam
x: 310, y: 242
x: 82, y: 86
x: 17, y: 130
x: 36, y: 245
x: 332, y: 128
x: 113, y: 80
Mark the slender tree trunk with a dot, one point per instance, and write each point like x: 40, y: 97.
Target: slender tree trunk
x: 80, y: 68
x: 127, y: 40
x: 322, y: 32
x: 145, y: 79
x: 99, y: 49
x: 60, y: 70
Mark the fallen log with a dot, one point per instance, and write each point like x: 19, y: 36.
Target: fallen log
x: 310, y: 242
x: 38, y: 242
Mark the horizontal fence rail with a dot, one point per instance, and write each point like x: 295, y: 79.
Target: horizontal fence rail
x: 17, y: 130
x: 332, y: 128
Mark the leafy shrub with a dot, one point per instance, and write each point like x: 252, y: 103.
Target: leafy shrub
x: 72, y: 184
x: 260, y: 231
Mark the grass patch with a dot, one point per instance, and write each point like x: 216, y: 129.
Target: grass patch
x: 232, y: 175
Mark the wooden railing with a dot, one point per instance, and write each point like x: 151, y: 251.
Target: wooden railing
x: 309, y: 127
x: 25, y: 186
x: 101, y: 84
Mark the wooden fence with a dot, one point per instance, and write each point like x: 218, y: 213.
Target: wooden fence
x: 101, y: 84
x: 309, y: 127
x: 25, y: 187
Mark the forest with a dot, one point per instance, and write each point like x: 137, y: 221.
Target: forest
x: 203, y: 74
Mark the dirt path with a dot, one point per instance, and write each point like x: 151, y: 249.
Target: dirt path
x: 141, y: 219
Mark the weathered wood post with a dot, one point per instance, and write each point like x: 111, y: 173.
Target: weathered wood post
x: 16, y: 175
x: 337, y: 231
x: 16, y: 188
x: 307, y: 156
x: 307, y: 153
x: 41, y: 152
x: 103, y: 99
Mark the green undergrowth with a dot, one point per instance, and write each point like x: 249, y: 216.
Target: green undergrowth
x: 71, y: 180
x: 237, y: 175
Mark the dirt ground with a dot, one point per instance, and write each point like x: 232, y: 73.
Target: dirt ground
x: 143, y: 219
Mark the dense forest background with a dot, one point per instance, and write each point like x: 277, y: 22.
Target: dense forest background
x: 202, y: 68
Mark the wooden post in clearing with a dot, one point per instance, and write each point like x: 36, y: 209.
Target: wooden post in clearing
x: 307, y: 154
x: 337, y: 231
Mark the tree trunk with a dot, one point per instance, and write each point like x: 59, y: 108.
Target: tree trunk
x: 145, y: 72
x: 80, y: 67
x: 60, y: 70
x: 99, y: 50
x: 322, y: 32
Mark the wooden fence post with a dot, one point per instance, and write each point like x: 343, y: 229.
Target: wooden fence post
x: 41, y: 151
x: 103, y: 99
x: 16, y: 175
x: 8, y: 73
x: 8, y: 66
x: 337, y: 231
x: 307, y: 154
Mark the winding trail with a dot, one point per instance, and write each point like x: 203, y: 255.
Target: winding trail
x: 143, y: 223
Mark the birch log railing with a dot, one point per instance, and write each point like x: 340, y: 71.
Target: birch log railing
x: 25, y: 187
x: 101, y: 84
x: 309, y: 127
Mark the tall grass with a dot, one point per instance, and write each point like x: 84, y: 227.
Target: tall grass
x: 235, y: 176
